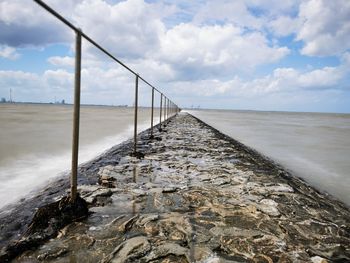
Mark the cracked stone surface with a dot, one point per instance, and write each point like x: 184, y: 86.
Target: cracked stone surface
x: 200, y: 196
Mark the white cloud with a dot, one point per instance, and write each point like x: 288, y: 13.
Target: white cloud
x: 200, y: 48
x: 25, y: 86
x: 291, y: 80
x: 216, y: 49
x: 325, y: 27
x: 154, y: 70
x: 223, y: 11
x: 8, y: 52
x: 24, y: 23
x: 280, y: 81
x: 135, y: 29
x: 16, y: 78
x: 128, y: 29
x: 204, y: 88
x: 273, y: 7
x: 116, y: 86
x: 319, y: 78
x: 61, y: 61
x: 284, y: 25
x: 58, y: 79
x: 98, y: 86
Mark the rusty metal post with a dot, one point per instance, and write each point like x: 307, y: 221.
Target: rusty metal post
x: 136, y: 108
x: 164, y: 108
x: 76, y: 118
x: 160, y: 111
x: 152, y: 112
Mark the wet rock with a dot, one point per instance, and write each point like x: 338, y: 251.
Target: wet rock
x: 46, y: 223
x: 197, y: 196
x: 156, y: 190
x: 234, y: 231
x: 96, y: 195
x: 78, y: 241
x: 138, y: 192
x: 318, y: 259
x: 143, y: 220
x: 124, y: 227
x: 115, y: 220
x: 76, y: 227
x: 262, y: 259
x: 170, y: 189
x: 107, y: 181
x: 284, y: 188
x: 108, y: 171
x: 131, y: 249
x: 50, y: 255
x: 138, y: 155
x: 269, y: 207
x: 167, y: 249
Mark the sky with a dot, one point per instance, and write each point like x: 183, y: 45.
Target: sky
x: 274, y: 55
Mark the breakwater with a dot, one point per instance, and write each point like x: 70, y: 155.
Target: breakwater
x: 196, y: 196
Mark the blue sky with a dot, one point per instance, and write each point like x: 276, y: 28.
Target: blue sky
x: 246, y: 54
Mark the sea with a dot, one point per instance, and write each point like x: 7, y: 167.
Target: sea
x: 312, y: 146
x: 35, y: 142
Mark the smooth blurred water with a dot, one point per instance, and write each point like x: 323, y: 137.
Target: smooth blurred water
x: 35, y: 141
x: 314, y: 146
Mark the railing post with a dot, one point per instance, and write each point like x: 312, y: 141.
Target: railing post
x: 164, y: 108
x: 160, y: 112
x: 136, y: 109
x: 152, y: 112
x: 76, y: 118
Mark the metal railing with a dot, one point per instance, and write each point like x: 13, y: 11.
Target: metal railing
x: 168, y: 108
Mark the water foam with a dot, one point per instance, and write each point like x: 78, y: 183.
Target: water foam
x: 30, y: 172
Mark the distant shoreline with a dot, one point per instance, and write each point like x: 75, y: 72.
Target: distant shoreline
x: 62, y: 104
x: 184, y: 108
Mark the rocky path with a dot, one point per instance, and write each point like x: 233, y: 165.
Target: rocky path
x: 199, y: 196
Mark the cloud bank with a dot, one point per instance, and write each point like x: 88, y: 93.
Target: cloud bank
x: 198, y: 49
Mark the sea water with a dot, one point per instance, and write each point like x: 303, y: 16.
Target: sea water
x: 36, y: 141
x: 313, y: 146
